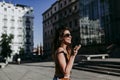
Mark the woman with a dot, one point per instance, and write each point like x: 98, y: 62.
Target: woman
x: 63, y: 54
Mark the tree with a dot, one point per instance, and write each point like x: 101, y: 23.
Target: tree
x: 5, y: 45
x: 21, y: 53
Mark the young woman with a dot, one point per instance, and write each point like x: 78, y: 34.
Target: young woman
x: 63, y: 54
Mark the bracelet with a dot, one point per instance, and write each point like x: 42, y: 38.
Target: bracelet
x: 67, y: 76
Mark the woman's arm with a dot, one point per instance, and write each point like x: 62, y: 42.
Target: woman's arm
x: 66, y: 68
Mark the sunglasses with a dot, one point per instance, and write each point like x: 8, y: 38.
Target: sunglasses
x: 67, y: 35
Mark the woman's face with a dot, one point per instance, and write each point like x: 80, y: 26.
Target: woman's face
x: 67, y: 37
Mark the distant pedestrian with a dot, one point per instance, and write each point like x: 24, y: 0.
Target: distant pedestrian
x: 18, y: 60
x: 63, y: 54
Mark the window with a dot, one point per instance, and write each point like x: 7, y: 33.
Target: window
x: 5, y: 16
x: 1, y: 5
x: 70, y: 24
x: 12, y: 27
x: 27, y: 22
x: 55, y: 8
x: 60, y: 15
x: 64, y: 2
x: 9, y: 6
x: 86, y: 29
x: 20, y: 35
x: 45, y: 34
x: 12, y: 19
x: 51, y: 12
x: 48, y: 14
x: 27, y: 12
x: 51, y: 32
x: 70, y: 10
x: 5, y: 9
x: 61, y: 5
x: 48, y: 32
x: 55, y: 17
x: 19, y: 28
x: 45, y: 16
x: 31, y: 10
x: 19, y: 10
x: 48, y: 22
x: 75, y: 22
x: 51, y: 20
x: 75, y: 7
x: 16, y: 8
x: 65, y: 13
x: 4, y: 27
x: 12, y: 10
x: 5, y: 20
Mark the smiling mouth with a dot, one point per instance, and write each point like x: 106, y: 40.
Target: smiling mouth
x: 69, y: 40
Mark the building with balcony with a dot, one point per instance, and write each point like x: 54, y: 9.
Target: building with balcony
x: 17, y: 20
x: 86, y: 29
x: 50, y: 21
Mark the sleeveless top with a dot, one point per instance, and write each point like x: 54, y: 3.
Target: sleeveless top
x: 58, y: 71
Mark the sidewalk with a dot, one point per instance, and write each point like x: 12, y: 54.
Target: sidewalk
x: 45, y: 71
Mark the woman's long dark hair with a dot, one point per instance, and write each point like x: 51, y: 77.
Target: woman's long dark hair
x: 57, y: 40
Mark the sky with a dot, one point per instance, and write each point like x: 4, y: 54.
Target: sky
x: 39, y: 7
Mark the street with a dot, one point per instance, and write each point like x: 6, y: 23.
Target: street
x: 45, y: 71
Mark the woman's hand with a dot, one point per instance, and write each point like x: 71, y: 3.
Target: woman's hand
x: 75, y: 50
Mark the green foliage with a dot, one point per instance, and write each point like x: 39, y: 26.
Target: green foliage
x: 21, y: 52
x: 5, y: 45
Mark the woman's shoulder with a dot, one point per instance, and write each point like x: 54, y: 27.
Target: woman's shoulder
x: 60, y: 50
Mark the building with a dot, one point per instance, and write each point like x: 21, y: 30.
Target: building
x: 17, y: 20
x: 74, y: 14
x: 109, y: 18
x: 113, y: 31
x: 50, y: 21
x: 62, y: 12
x: 90, y: 31
x: 38, y: 50
x: 69, y: 13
